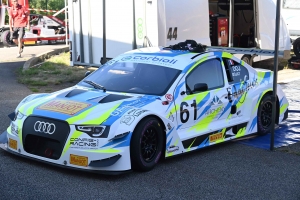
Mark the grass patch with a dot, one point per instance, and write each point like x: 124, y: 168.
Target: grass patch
x: 34, y: 89
x: 52, y: 75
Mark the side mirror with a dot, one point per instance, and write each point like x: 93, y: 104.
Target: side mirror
x: 87, y: 73
x: 200, y: 87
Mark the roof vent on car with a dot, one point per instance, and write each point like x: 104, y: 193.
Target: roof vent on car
x: 188, y: 45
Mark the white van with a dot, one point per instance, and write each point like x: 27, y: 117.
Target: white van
x: 101, y: 29
x: 290, y: 11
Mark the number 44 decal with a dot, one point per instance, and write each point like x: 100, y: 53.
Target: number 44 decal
x: 172, y: 34
x: 185, y: 114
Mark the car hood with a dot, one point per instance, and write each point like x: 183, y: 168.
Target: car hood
x: 85, y: 105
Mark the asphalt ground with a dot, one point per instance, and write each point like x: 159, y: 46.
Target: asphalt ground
x: 9, y: 54
x: 226, y: 171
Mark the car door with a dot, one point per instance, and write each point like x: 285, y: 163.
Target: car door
x: 202, y: 112
x: 239, y: 87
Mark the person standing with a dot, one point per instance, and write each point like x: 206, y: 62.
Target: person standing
x: 18, y: 20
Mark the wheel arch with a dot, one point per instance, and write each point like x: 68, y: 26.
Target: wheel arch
x: 277, y: 105
x: 162, y: 126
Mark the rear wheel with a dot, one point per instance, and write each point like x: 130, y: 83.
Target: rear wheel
x: 264, y: 115
x: 247, y: 59
x: 296, y: 47
x: 146, y: 145
x: 5, y: 37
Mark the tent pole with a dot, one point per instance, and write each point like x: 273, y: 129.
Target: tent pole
x: 274, y: 96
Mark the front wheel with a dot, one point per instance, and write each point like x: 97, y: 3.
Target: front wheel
x: 146, y: 145
x: 264, y: 115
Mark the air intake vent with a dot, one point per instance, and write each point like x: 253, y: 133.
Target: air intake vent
x: 75, y: 92
x: 113, y: 97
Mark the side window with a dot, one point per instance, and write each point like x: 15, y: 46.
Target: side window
x: 209, y: 72
x: 235, y: 72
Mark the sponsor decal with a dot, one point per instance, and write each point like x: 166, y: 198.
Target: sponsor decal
x: 236, y: 70
x: 121, y: 110
x: 126, y: 58
x: 84, y: 143
x: 127, y: 119
x: 78, y: 160
x: 136, y: 112
x: 64, y: 106
x: 150, y: 59
x: 132, y: 114
x: 140, y: 28
x: 169, y: 97
x: 236, y: 93
x: 215, y: 137
x: 13, y: 144
x: 172, y: 148
x: 213, y: 111
x: 216, y: 101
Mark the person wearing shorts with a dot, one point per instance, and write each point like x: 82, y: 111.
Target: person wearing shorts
x: 18, y: 20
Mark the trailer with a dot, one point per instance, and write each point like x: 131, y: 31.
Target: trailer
x: 291, y: 14
x: 43, y: 29
x: 100, y: 29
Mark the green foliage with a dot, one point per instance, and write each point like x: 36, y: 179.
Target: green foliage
x: 48, y: 5
x: 6, y: 18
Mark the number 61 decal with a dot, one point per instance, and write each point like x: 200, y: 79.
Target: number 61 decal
x: 185, y: 114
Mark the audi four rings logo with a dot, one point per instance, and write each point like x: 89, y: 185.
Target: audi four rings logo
x: 44, y: 127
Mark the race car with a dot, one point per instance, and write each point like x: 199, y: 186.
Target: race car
x: 144, y: 105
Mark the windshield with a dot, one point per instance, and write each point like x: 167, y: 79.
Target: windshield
x: 133, y: 78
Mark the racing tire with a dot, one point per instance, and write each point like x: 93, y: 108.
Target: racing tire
x: 247, y: 59
x: 296, y: 47
x: 5, y: 37
x: 146, y: 146
x: 264, y: 115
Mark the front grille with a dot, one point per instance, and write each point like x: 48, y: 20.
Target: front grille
x: 45, y: 137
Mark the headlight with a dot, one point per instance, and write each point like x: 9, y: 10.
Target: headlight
x: 19, y: 115
x: 93, y: 131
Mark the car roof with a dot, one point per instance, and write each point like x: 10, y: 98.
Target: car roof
x: 177, y: 59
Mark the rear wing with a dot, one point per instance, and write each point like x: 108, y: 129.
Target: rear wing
x: 263, y: 52
x: 192, y: 46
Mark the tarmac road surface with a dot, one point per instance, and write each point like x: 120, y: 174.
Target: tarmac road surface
x: 226, y: 171
x: 10, y: 53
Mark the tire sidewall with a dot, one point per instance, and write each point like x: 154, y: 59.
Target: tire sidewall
x: 5, y: 38
x: 138, y: 163
x: 246, y: 59
x: 261, y: 130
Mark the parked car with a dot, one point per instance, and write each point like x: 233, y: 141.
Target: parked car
x: 145, y: 105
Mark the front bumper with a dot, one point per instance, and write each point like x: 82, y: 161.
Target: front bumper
x: 98, y: 161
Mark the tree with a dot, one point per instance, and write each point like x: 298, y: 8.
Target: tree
x: 47, y: 5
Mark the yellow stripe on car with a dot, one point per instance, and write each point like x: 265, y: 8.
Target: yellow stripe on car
x: 204, y: 123
x: 283, y: 108
x: 241, y: 132
x: 76, y: 134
